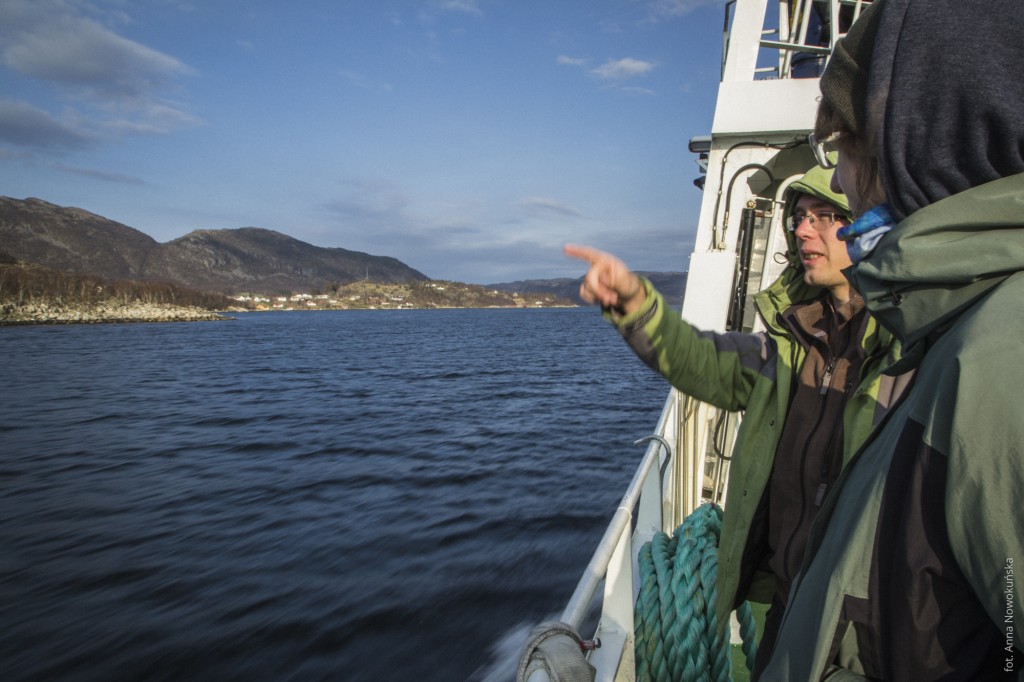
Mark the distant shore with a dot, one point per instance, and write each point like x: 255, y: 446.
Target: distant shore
x: 55, y: 313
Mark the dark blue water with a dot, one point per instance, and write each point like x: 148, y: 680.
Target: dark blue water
x: 364, y: 495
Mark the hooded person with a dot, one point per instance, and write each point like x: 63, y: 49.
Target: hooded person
x: 809, y: 386
x: 909, y: 571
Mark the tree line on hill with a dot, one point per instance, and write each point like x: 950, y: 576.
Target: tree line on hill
x: 24, y: 283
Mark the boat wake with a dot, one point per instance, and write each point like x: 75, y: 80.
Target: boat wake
x: 503, y: 658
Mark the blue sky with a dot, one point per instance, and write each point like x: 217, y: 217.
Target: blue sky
x: 468, y: 138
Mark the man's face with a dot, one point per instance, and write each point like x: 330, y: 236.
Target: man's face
x: 822, y: 255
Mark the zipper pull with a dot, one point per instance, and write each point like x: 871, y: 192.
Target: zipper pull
x: 820, y: 497
x: 826, y: 378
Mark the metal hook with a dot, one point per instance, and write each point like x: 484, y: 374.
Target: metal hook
x: 664, y: 443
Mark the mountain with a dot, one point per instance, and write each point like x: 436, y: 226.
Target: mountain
x: 243, y: 260
x: 247, y: 260
x: 670, y: 284
x: 253, y: 259
x: 71, y: 239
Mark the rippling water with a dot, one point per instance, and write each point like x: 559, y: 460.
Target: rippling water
x: 362, y: 495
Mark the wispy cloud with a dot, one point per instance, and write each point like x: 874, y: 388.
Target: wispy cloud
x: 571, y: 61
x: 116, y: 83
x: 637, y: 90
x: 544, y: 205
x: 435, y: 16
x: 622, y: 69
x: 667, y: 9
x: 75, y: 51
x: 358, y: 80
x: 432, y: 237
x: 96, y: 174
x: 468, y: 6
x: 27, y: 126
x: 370, y: 204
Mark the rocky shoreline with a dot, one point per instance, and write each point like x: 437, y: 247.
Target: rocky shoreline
x: 54, y: 313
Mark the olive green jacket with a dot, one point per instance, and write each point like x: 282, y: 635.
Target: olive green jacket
x: 910, y: 570
x: 754, y: 373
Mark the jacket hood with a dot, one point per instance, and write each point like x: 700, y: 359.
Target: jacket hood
x: 816, y: 182
x: 944, y: 257
x: 944, y: 97
x: 789, y: 288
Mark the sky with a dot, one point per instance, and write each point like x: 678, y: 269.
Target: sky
x: 470, y: 139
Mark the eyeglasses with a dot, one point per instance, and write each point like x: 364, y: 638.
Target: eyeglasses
x: 824, y: 150
x: 820, y: 220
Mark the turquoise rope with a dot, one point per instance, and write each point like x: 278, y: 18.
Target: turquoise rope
x: 676, y: 628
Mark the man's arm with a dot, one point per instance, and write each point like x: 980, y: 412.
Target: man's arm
x: 720, y: 369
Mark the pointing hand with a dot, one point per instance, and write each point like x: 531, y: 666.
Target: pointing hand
x: 608, y: 281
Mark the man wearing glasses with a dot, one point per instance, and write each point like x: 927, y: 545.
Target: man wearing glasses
x: 814, y: 223
x: 805, y: 368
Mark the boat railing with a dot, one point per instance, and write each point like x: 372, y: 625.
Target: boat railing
x: 667, y: 485
x: 793, y: 33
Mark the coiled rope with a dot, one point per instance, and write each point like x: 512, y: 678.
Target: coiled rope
x: 676, y: 635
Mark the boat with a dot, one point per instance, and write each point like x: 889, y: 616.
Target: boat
x: 772, y: 57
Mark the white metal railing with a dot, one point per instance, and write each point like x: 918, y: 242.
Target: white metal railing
x: 667, y: 485
x: 614, y: 562
x: 789, y: 34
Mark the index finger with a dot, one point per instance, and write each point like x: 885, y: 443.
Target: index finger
x: 587, y: 253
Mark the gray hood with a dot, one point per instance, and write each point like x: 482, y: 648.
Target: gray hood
x: 945, y: 97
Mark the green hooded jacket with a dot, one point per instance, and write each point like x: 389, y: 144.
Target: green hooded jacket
x: 755, y: 373
x: 932, y: 501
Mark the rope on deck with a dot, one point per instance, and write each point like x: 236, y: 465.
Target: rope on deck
x: 677, y: 634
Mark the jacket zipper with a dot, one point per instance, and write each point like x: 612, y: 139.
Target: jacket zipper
x: 826, y: 378
x: 826, y: 382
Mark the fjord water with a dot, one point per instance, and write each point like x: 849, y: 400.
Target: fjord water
x: 351, y: 495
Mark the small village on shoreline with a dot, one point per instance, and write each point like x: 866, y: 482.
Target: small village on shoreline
x: 366, y: 295
x: 93, y: 302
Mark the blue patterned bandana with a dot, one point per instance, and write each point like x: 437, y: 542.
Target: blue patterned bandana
x: 862, y: 235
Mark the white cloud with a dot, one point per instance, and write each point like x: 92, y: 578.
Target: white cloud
x: 468, y: 6
x: 571, y: 61
x: 621, y: 69
x: 677, y: 8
